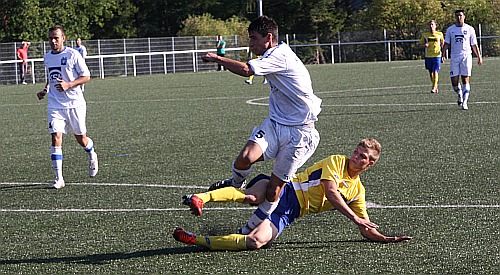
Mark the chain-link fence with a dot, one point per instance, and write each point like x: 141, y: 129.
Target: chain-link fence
x: 131, y: 57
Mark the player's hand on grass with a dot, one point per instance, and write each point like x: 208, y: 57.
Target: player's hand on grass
x: 397, y: 239
x: 366, y: 223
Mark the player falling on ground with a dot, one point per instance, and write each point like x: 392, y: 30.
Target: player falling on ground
x: 67, y: 72
x: 433, y: 40
x: 332, y: 183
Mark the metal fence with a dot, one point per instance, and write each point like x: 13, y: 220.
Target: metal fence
x: 141, y: 56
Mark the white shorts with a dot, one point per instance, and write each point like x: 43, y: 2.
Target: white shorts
x: 74, y: 118
x: 290, y: 146
x: 461, y: 65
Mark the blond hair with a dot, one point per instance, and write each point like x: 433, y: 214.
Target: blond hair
x: 373, y: 145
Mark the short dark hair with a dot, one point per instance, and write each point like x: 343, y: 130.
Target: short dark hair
x: 56, y: 27
x: 457, y: 11
x: 264, y: 25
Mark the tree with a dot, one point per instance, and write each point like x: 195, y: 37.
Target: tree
x: 30, y: 19
x: 207, y: 25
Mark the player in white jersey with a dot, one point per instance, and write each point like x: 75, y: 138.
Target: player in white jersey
x: 461, y: 37
x: 81, y: 48
x: 288, y: 135
x: 67, y: 71
x: 83, y: 51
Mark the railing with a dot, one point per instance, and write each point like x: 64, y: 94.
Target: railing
x: 132, y: 57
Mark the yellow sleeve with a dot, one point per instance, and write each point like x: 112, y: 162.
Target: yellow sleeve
x: 422, y: 40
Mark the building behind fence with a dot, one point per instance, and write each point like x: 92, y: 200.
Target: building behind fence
x: 142, y: 56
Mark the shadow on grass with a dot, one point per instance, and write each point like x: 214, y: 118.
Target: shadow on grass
x: 107, y: 257
x: 26, y: 186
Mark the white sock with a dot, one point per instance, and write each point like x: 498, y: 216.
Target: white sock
x: 57, y: 161
x: 251, y: 224
x: 239, y: 176
x: 466, y: 96
x: 90, y: 147
x: 268, y: 207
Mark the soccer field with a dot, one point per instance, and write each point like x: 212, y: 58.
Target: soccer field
x: 159, y: 137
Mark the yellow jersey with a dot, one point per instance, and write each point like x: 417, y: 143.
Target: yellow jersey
x: 311, y: 192
x: 435, y: 41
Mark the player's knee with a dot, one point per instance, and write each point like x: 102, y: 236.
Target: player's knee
x: 256, y: 242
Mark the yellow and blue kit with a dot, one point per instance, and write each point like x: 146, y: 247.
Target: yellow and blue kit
x: 306, y: 194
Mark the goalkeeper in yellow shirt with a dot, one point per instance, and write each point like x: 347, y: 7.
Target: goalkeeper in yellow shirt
x: 433, y: 41
x: 332, y: 183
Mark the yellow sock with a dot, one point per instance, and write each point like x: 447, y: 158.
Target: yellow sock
x: 226, y: 194
x: 229, y: 242
x: 435, y: 81
x: 251, y: 78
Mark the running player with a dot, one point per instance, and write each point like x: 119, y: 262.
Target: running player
x: 67, y: 71
x: 461, y: 37
x: 332, y: 183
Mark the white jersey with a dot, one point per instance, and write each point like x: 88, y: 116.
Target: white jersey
x: 82, y: 50
x: 292, y: 101
x: 461, y: 39
x: 67, y: 65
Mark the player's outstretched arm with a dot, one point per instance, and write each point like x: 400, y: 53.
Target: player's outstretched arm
x: 237, y: 67
x: 336, y: 200
x: 375, y: 236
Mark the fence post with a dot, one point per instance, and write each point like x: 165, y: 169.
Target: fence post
x: 165, y: 63
x: 173, y: 55
x: 125, y: 52
x: 33, y: 72
x: 332, y: 52
x: 133, y: 61
x: 16, y: 69
x: 340, y: 52
x: 480, y: 40
x: 195, y: 60
x: 388, y: 46
x: 149, y: 51
x: 101, y: 62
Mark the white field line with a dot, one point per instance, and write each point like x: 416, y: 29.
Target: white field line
x: 369, y: 204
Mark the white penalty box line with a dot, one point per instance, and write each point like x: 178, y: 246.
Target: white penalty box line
x: 369, y: 204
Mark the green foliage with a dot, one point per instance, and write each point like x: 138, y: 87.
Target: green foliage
x: 207, y: 25
x: 30, y: 19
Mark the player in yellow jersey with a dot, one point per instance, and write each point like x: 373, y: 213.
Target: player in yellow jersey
x: 332, y: 183
x: 433, y: 41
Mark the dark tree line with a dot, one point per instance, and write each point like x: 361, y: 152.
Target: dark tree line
x: 30, y: 19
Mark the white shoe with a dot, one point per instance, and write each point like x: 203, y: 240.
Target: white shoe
x: 93, y: 165
x: 264, y: 82
x: 24, y: 83
x: 248, y: 82
x: 464, y: 106
x: 58, y: 184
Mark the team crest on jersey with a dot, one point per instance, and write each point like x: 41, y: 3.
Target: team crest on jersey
x: 54, y: 73
x: 64, y: 60
x: 459, y: 38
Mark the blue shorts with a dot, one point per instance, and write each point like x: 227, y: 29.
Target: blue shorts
x: 288, y: 209
x: 433, y: 64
